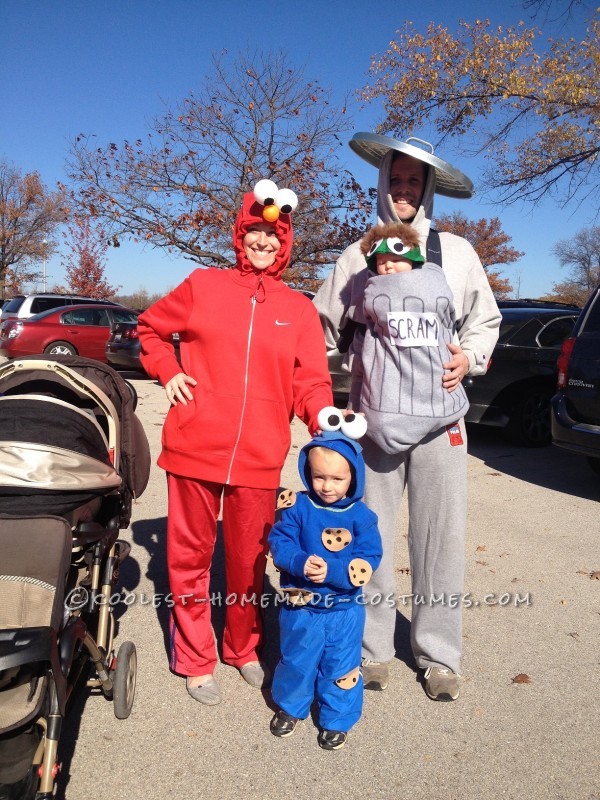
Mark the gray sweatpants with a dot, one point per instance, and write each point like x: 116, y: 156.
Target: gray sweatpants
x: 435, y: 473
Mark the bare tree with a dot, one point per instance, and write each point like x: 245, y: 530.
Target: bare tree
x: 560, y: 8
x: 181, y: 187
x: 29, y: 217
x: 582, y: 255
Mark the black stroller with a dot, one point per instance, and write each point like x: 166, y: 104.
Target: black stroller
x: 72, y: 456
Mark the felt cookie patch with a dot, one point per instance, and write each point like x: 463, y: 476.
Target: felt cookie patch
x: 349, y: 680
x: 335, y: 539
x: 286, y: 499
x: 360, y: 571
x: 297, y: 597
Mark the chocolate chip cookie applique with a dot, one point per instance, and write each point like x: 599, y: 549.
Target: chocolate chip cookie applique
x: 336, y: 539
x: 286, y: 499
x: 349, y: 680
x: 360, y: 571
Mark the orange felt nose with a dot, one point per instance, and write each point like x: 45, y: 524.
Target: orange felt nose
x: 270, y: 213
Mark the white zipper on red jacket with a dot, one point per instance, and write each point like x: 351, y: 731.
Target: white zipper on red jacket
x: 239, y: 433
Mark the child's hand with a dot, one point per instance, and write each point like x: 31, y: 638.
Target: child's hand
x: 315, y: 569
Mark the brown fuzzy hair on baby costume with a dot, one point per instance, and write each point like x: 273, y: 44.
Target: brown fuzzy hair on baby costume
x: 391, y: 230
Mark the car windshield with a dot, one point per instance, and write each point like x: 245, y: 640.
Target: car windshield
x: 13, y: 305
x: 512, y: 320
x: 43, y: 314
x: 123, y: 315
x: 520, y: 326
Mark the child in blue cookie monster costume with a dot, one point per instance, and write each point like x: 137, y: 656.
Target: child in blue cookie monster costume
x: 326, y: 546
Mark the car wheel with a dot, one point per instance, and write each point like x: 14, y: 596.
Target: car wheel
x: 529, y: 421
x: 594, y: 464
x: 60, y: 349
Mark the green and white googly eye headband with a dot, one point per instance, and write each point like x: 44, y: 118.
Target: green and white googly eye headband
x: 395, y: 246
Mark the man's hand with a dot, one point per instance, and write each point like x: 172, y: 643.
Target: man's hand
x: 458, y: 366
x: 315, y: 569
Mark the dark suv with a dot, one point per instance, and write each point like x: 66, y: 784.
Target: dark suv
x: 576, y: 406
x: 515, y: 392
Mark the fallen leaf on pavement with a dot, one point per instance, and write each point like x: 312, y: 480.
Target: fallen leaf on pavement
x: 521, y: 678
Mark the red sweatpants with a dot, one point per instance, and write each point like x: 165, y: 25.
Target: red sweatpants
x: 248, y: 515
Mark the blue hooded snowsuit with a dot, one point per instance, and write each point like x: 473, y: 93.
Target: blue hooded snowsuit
x: 321, y: 640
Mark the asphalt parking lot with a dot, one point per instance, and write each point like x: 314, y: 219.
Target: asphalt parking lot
x: 524, y: 727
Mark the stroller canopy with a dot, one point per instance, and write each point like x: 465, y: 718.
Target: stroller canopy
x: 68, y: 428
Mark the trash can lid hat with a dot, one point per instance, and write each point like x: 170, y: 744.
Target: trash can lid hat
x: 449, y: 181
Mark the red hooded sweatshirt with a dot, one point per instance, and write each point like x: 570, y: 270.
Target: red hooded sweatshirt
x: 256, y: 349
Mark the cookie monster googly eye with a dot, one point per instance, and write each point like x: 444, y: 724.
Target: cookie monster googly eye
x: 354, y: 426
x: 329, y: 419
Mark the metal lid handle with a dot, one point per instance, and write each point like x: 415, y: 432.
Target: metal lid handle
x: 422, y: 141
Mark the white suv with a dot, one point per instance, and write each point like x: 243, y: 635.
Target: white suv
x: 25, y: 306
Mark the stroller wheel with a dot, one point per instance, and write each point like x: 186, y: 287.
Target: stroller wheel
x: 124, y: 680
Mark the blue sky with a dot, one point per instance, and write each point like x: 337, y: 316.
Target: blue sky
x: 107, y: 68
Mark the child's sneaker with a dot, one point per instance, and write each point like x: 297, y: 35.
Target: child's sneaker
x: 441, y: 684
x: 332, y: 740
x: 283, y: 724
x: 376, y: 675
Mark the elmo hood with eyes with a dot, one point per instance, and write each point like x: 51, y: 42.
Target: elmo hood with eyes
x: 255, y: 349
x: 252, y: 213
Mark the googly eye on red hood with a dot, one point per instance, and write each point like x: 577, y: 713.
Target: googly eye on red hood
x: 256, y: 211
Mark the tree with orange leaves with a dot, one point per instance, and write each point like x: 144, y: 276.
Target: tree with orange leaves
x: 490, y: 243
x: 534, y: 115
x: 29, y: 216
x: 85, y: 263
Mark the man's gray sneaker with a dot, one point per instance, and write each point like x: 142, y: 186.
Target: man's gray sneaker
x: 441, y: 684
x: 376, y: 675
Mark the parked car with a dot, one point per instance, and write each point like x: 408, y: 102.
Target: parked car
x: 24, y: 306
x: 515, y: 392
x: 73, y: 330
x: 576, y: 406
x: 123, y: 346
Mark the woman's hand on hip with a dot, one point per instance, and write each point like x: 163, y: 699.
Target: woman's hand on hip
x: 458, y: 367
x: 177, y: 389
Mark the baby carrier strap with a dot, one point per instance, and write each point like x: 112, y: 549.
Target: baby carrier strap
x: 434, y: 248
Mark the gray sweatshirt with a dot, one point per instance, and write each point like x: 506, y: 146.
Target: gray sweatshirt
x: 397, y: 382
x: 477, y: 316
